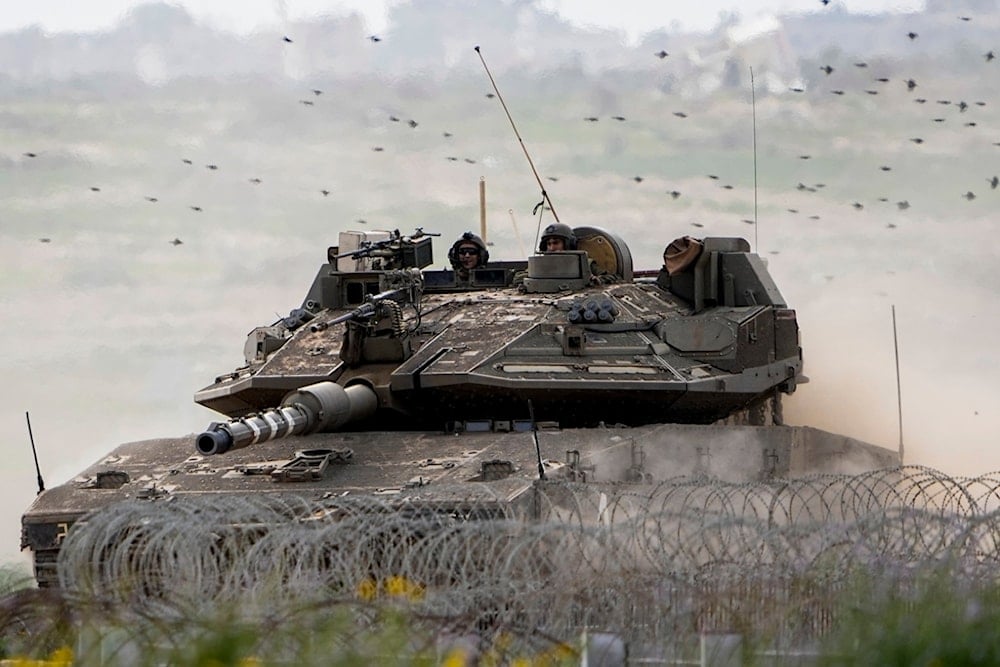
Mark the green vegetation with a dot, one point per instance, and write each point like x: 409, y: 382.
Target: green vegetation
x: 935, y: 620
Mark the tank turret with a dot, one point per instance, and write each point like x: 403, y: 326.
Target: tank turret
x: 575, y: 332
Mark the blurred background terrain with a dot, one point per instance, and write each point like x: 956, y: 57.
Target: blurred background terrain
x: 165, y: 186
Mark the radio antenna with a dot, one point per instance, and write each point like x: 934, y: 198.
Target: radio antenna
x: 534, y: 436
x: 899, y: 391
x: 753, y: 107
x: 545, y: 195
x: 517, y: 233
x: 38, y: 471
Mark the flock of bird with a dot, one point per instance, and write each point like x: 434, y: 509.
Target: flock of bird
x: 879, y: 84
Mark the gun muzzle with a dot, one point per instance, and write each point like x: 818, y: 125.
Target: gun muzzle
x: 324, y: 406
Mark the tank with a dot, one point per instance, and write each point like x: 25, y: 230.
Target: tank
x: 452, y: 390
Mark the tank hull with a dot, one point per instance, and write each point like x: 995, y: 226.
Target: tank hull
x: 436, y: 469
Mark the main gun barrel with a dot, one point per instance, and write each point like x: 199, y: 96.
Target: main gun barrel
x: 324, y: 406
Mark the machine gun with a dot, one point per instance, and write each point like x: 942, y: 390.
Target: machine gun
x: 366, y: 310
x: 396, y: 252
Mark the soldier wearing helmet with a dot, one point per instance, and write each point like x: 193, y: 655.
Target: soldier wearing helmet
x: 467, y: 253
x: 557, y: 237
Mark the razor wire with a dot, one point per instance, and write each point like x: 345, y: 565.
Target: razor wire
x: 651, y: 562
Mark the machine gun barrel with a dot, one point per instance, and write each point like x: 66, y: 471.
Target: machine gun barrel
x: 324, y: 406
x: 364, y: 310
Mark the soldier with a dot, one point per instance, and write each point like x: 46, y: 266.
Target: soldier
x: 557, y: 237
x: 467, y: 253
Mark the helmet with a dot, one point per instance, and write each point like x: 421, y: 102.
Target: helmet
x: 560, y: 231
x: 468, y: 237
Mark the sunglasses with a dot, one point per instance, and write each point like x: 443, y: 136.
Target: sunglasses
x: 468, y: 251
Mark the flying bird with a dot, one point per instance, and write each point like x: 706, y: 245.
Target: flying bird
x: 591, y: 119
x: 151, y: 199
x: 212, y: 167
x: 910, y: 84
x: 885, y: 168
x: 29, y: 154
x: 912, y: 35
x: 917, y: 140
x: 197, y: 209
x: 317, y: 91
x: 827, y: 69
x: 377, y: 149
x: 902, y: 205
x: 861, y: 64
x: 176, y: 241
x: 882, y: 79
x: 618, y: 118
x: 970, y: 195
x: 325, y: 192
x: 186, y: 161
x: 255, y: 181
x: 94, y: 189
x: 749, y: 222
x: 994, y: 182
x: 412, y: 123
x: 837, y: 92
x: 680, y: 114
x: 989, y: 55
x: 308, y: 103
x: 286, y: 39
x: 858, y: 205
x: 374, y: 38
x: 446, y: 135
x: 697, y: 224
x: 675, y: 193
x: 797, y: 90
x: 962, y: 106
x: 45, y: 239
x: 490, y: 95
x: 637, y: 179
x: 661, y: 54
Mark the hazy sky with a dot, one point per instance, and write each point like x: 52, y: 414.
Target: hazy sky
x: 634, y: 16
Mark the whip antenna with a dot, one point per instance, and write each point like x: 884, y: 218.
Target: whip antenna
x: 753, y: 107
x: 31, y: 437
x: 534, y: 436
x: 545, y: 195
x: 899, y: 391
